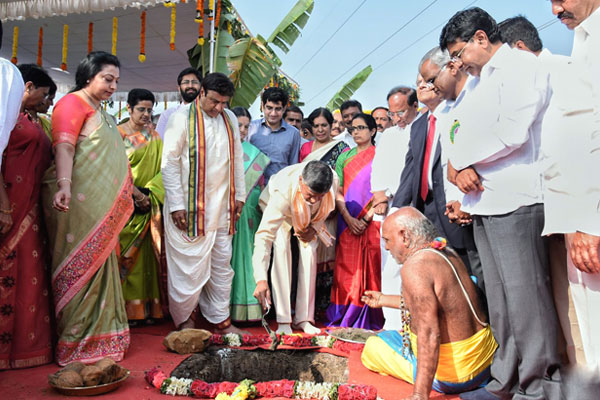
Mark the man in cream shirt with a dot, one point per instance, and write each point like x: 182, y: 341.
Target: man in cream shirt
x: 299, y: 196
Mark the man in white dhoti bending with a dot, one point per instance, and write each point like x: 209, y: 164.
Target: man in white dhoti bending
x: 299, y: 196
x: 203, y: 175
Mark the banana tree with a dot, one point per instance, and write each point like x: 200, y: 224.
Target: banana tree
x: 346, y: 92
x: 249, y: 61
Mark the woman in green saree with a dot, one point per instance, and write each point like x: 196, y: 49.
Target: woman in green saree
x: 244, y: 307
x: 87, y: 200
x: 141, y: 239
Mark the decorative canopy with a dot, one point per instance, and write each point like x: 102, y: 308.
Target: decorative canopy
x: 158, y: 73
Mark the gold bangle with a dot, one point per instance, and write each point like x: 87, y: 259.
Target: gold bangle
x: 63, y: 179
x: 8, y: 212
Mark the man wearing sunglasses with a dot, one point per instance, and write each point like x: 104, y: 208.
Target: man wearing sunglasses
x: 495, y: 149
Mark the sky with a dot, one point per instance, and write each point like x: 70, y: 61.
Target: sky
x: 390, y: 35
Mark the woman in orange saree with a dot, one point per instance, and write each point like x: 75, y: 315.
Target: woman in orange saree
x: 25, y: 330
x: 87, y: 201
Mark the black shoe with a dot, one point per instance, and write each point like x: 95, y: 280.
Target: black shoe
x: 478, y: 394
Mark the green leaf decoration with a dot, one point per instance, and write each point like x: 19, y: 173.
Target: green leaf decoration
x: 346, y: 92
x: 289, y: 28
x: 251, y: 66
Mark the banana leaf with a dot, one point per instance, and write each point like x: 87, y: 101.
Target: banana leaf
x: 199, y: 55
x: 288, y: 30
x: 251, y: 65
x: 346, y: 92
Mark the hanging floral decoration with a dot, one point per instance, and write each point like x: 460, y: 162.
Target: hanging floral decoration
x: 90, y: 37
x: 142, y: 55
x: 119, y: 116
x: 199, y: 11
x: 172, y: 33
x: 65, y: 47
x: 218, y: 16
x: 114, y: 36
x: 40, y: 44
x: 229, y: 27
x: 13, y: 59
x: 211, y: 7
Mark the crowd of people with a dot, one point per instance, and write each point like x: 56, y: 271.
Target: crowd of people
x: 461, y: 220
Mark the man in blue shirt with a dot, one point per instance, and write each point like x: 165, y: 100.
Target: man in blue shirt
x: 272, y: 135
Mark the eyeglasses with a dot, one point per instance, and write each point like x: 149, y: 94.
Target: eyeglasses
x: 458, y: 56
x: 353, y: 129
x: 143, y: 110
x: 430, y: 84
x: 398, y: 114
x: 192, y: 82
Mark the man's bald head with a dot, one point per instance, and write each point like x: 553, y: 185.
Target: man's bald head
x: 406, y: 229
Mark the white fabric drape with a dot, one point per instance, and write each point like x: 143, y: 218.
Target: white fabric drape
x: 22, y: 9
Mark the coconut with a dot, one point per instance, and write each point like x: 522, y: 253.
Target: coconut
x: 69, y: 379
x: 92, y: 375
x: 109, y: 368
x: 76, y: 366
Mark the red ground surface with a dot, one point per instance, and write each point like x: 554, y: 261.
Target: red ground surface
x: 146, y: 351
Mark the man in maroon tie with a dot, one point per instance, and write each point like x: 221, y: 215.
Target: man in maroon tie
x: 423, y: 179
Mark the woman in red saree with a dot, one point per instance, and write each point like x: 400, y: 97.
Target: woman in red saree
x: 87, y: 200
x: 358, y: 253
x: 25, y: 331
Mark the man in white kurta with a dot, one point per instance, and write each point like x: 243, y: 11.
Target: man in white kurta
x: 199, y: 271
x: 571, y: 146
x: 279, y: 201
x: 388, y: 163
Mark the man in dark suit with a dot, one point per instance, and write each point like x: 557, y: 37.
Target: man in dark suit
x: 423, y: 179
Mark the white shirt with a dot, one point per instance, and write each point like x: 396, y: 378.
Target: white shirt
x: 11, y: 95
x: 176, y: 166
x: 500, y: 131
x: 346, y: 137
x: 161, y: 125
x: 388, y: 163
x: 571, y: 141
x: 447, y: 114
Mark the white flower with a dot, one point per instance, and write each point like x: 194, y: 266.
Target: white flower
x: 313, y: 390
x: 324, y: 340
x: 233, y: 339
x: 179, y: 387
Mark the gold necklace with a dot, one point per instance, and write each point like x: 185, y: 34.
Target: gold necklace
x: 98, y: 108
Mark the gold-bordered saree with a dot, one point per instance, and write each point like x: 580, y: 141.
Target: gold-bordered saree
x: 141, y: 239
x: 89, y: 306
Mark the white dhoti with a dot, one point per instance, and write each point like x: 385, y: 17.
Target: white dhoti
x: 281, y: 278
x: 391, y: 283
x: 585, y: 290
x: 199, y: 273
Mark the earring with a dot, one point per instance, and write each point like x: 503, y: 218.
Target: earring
x: 88, y: 81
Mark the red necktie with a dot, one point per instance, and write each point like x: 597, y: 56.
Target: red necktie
x: 428, y: 147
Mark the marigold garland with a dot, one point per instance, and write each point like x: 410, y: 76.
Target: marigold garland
x: 201, y: 34
x: 229, y: 27
x: 218, y: 16
x: 90, y: 37
x: 114, y: 36
x: 211, y: 7
x: 65, y: 47
x: 119, y: 116
x: 172, y: 33
x: 199, y: 11
x: 13, y: 59
x: 40, y: 44
x: 142, y: 55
